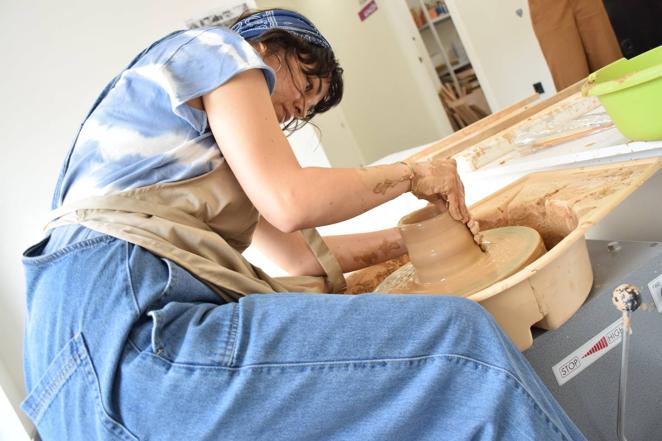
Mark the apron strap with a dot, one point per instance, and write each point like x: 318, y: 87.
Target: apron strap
x: 326, y: 259
x: 122, y: 203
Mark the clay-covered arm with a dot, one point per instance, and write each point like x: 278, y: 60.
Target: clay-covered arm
x: 353, y: 251
x: 244, y: 124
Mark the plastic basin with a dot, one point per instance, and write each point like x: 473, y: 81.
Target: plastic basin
x: 631, y: 93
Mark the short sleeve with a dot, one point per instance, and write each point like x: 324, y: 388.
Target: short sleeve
x: 206, y: 59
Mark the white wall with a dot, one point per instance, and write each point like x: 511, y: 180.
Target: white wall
x: 57, y: 57
x: 502, y: 48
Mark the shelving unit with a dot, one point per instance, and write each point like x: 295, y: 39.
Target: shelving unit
x: 460, y: 93
x: 435, y: 20
x: 443, y: 70
x: 430, y: 24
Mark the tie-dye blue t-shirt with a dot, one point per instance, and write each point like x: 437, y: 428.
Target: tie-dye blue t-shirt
x: 141, y: 131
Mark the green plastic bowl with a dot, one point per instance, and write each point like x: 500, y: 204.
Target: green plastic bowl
x: 631, y: 93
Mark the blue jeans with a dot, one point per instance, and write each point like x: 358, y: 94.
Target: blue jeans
x: 123, y: 345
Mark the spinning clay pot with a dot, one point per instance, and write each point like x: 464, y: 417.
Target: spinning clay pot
x: 446, y: 260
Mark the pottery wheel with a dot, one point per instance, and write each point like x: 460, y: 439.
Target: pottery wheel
x: 507, y: 250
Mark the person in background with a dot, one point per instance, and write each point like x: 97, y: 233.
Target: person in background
x: 575, y: 36
x: 145, y: 322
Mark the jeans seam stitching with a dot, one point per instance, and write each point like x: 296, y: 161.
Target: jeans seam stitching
x: 524, y: 390
x: 380, y: 362
x: 537, y: 407
x: 133, y: 345
x: 520, y: 387
x: 45, y: 397
x: 234, y: 319
x: 375, y: 361
x: 132, y: 291
x: 66, y: 251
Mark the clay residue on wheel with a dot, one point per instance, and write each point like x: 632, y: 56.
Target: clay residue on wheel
x: 553, y: 205
x: 367, y: 279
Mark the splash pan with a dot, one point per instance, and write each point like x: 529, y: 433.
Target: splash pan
x: 561, y: 205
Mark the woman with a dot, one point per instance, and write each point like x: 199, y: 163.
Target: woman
x: 140, y: 325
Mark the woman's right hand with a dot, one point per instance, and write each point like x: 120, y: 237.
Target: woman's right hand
x: 437, y: 181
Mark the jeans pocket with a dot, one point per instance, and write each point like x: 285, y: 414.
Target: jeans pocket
x: 66, y: 401
x: 195, y: 333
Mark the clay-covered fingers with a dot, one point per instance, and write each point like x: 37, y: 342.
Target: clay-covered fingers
x: 455, y: 194
x: 454, y: 207
x: 438, y: 178
x: 474, y: 226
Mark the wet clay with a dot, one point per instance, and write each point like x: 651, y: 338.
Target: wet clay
x: 554, y: 203
x: 367, y: 279
x: 385, y: 185
x: 446, y: 260
x: 372, y: 258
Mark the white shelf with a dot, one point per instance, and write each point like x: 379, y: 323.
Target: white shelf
x: 461, y: 65
x: 456, y: 66
x: 437, y: 19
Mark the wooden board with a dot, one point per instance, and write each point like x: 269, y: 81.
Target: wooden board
x: 493, y: 124
x: 553, y: 117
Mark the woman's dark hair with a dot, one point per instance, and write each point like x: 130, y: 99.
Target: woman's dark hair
x: 316, y: 61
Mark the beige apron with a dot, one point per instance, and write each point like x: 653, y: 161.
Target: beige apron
x: 203, y: 224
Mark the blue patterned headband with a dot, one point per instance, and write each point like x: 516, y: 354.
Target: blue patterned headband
x: 257, y: 24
